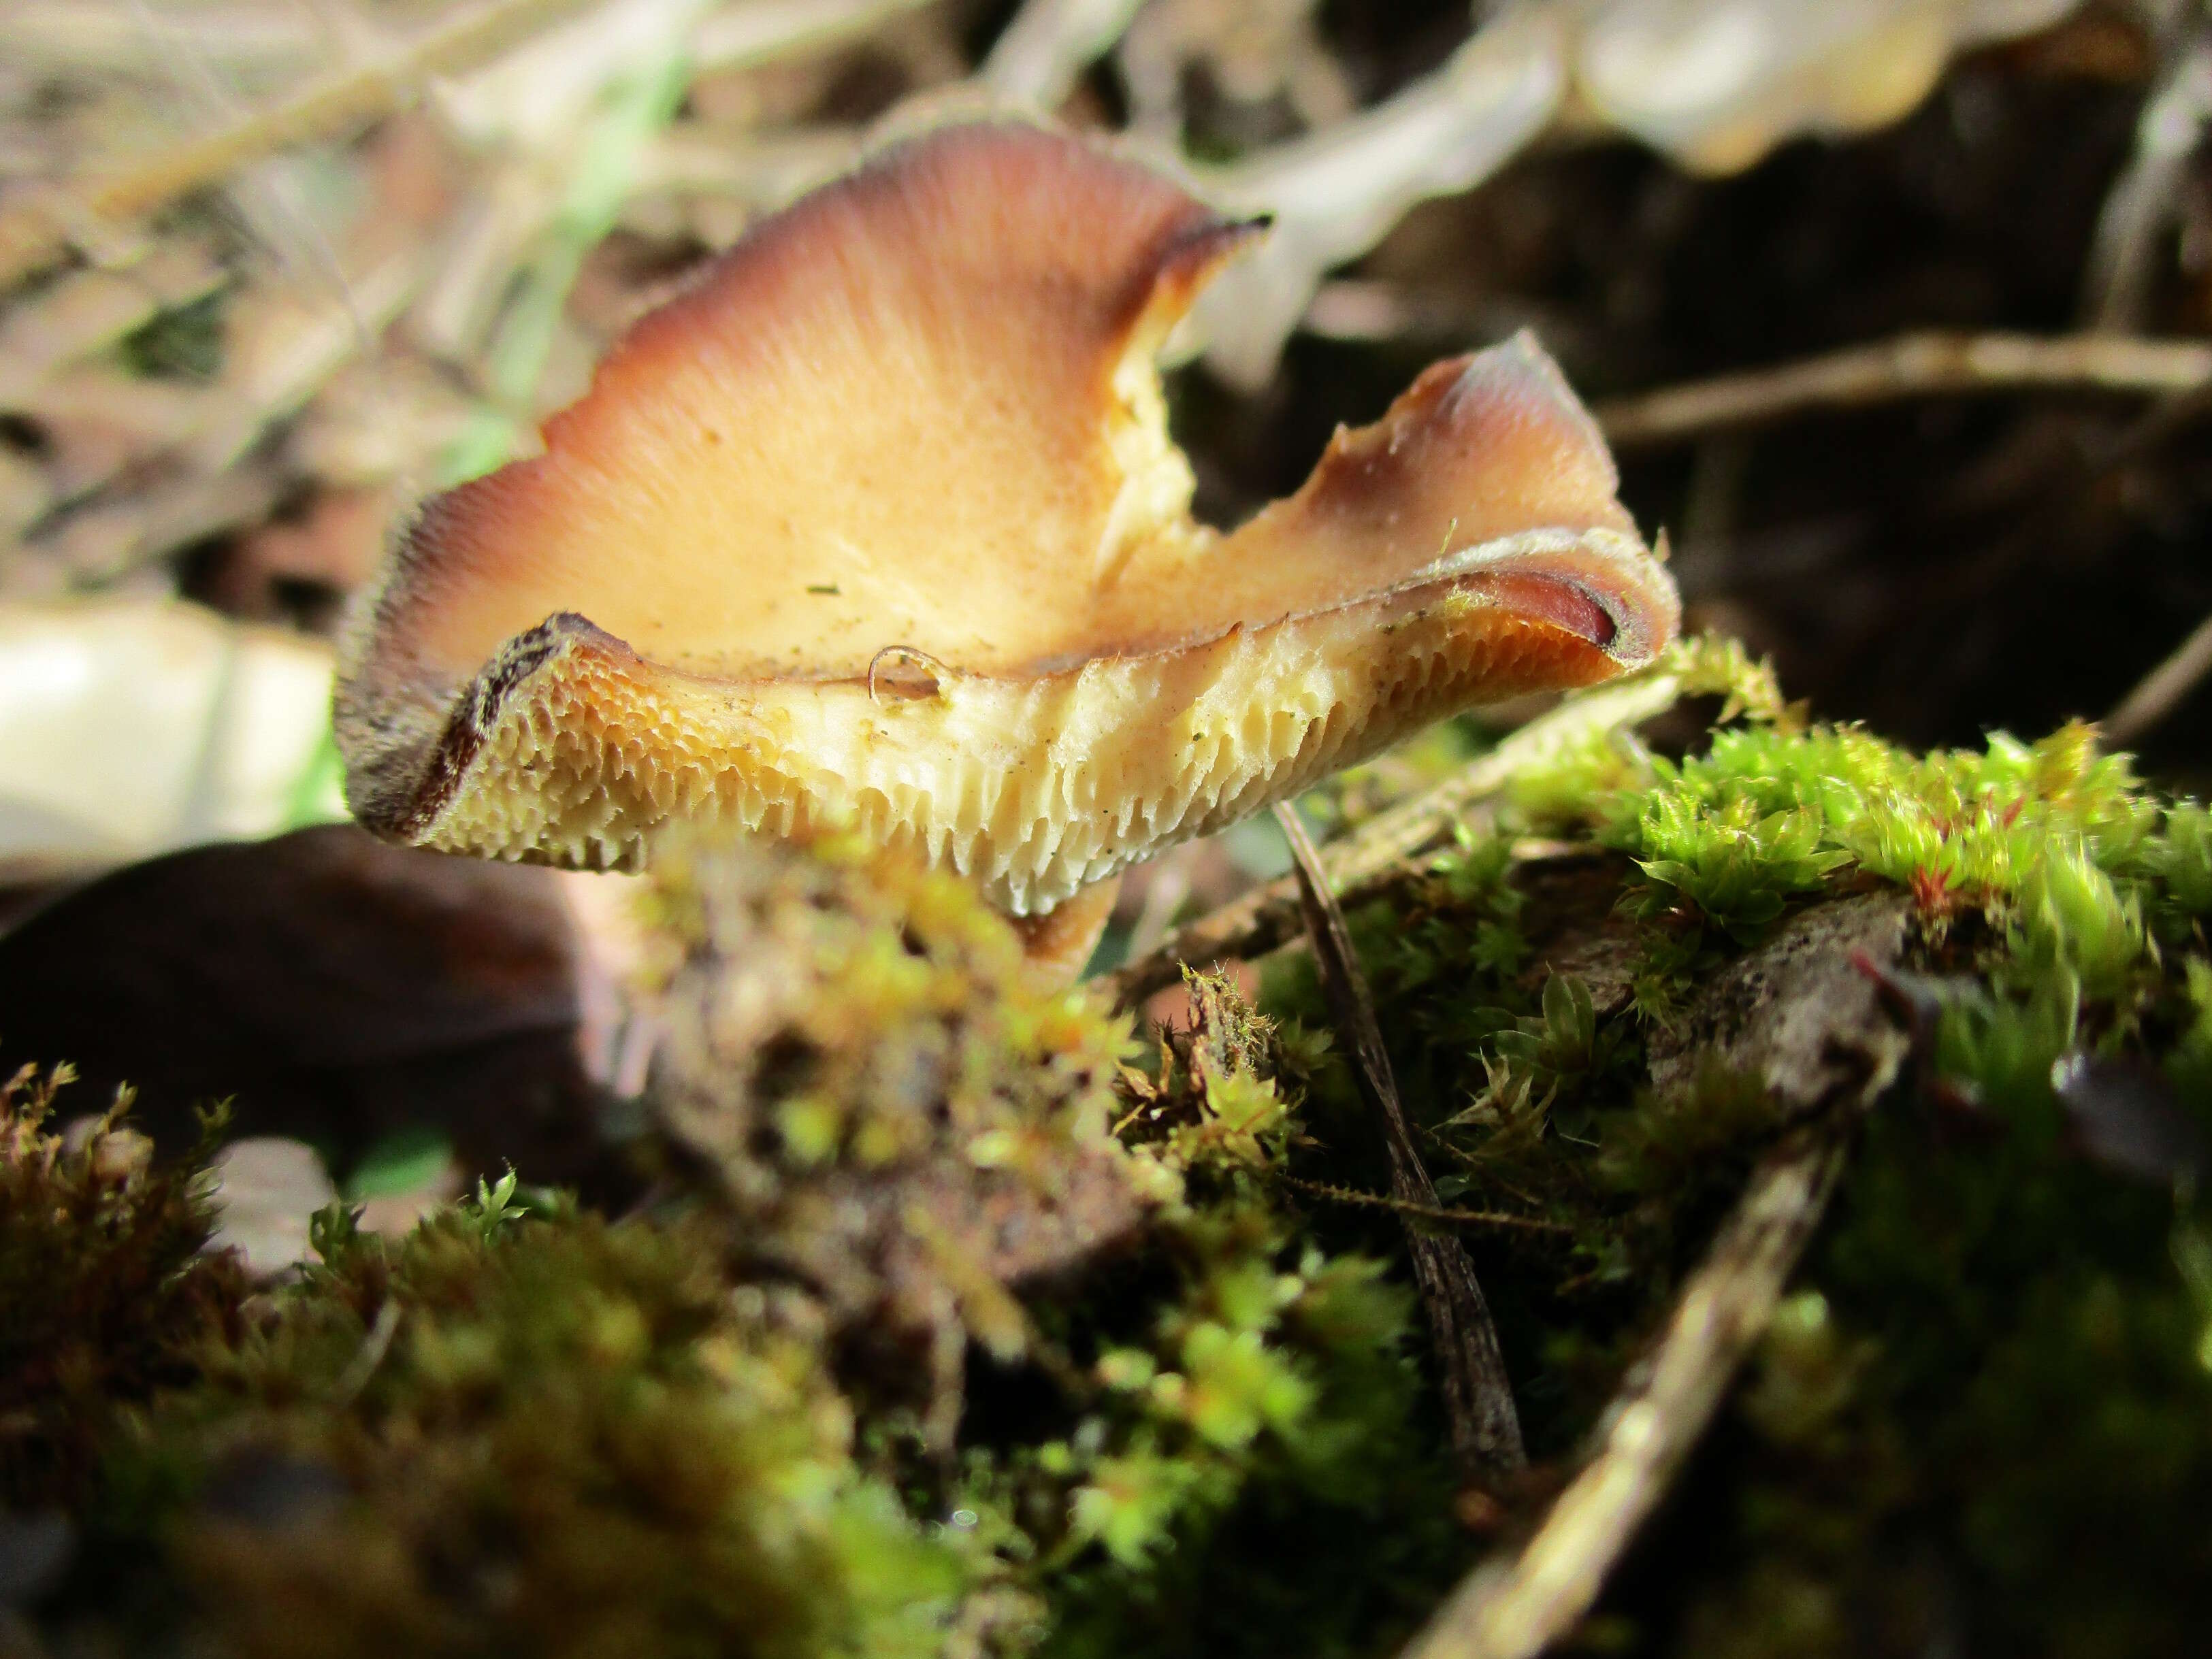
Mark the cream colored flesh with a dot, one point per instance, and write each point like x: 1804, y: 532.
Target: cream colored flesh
x: 1037, y: 786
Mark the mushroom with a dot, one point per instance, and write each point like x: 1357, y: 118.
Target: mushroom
x: 878, y: 523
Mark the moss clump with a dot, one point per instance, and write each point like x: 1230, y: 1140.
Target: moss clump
x: 1587, y: 1191
x: 1769, y: 813
x: 2057, y: 911
x: 719, y: 1426
x: 556, y: 1432
x: 1984, y: 1420
x: 1258, y: 1402
x: 892, y: 1118
x: 880, y: 1105
x: 957, y: 1329
x: 104, y: 1296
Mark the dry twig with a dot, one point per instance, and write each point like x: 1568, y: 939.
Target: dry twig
x: 1334, y: 193
x: 1503, y: 1219
x: 1485, y: 1428
x: 1801, y: 1015
x: 1518, y: 1608
x: 2161, y: 691
x: 39, y: 227
x: 1039, y: 55
x: 2142, y: 201
x: 1932, y: 364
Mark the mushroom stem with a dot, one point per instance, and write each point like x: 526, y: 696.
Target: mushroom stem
x: 1057, y: 944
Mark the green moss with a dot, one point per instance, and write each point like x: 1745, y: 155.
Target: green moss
x: 1989, y: 1420
x: 1260, y: 1402
x: 967, y: 1323
x: 1593, y: 1190
x: 1769, y: 815
x: 104, y: 1296
x: 882, y: 1107
x: 558, y: 1432
x: 717, y: 1426
x: 1984, y: 1420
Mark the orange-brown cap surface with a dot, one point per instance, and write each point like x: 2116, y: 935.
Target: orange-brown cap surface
x: 880, y: 522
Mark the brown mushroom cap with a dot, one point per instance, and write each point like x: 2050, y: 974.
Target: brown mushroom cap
x: 880, y: 521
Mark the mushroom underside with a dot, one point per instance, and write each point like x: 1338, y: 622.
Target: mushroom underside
x: 575, y: 749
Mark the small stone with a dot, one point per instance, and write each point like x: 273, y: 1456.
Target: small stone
x: 267, y: 1188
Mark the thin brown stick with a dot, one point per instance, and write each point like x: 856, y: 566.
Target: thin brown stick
x: 1931, y: 364
x: 2145, y: 199
x: 41, y: 227
x: 1367, y: 861
x: 1352, y: 1195
x: 1519, y: 1608
x: 746, y: 37
x: 1485, y: 1426
x: 2161, y: 691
